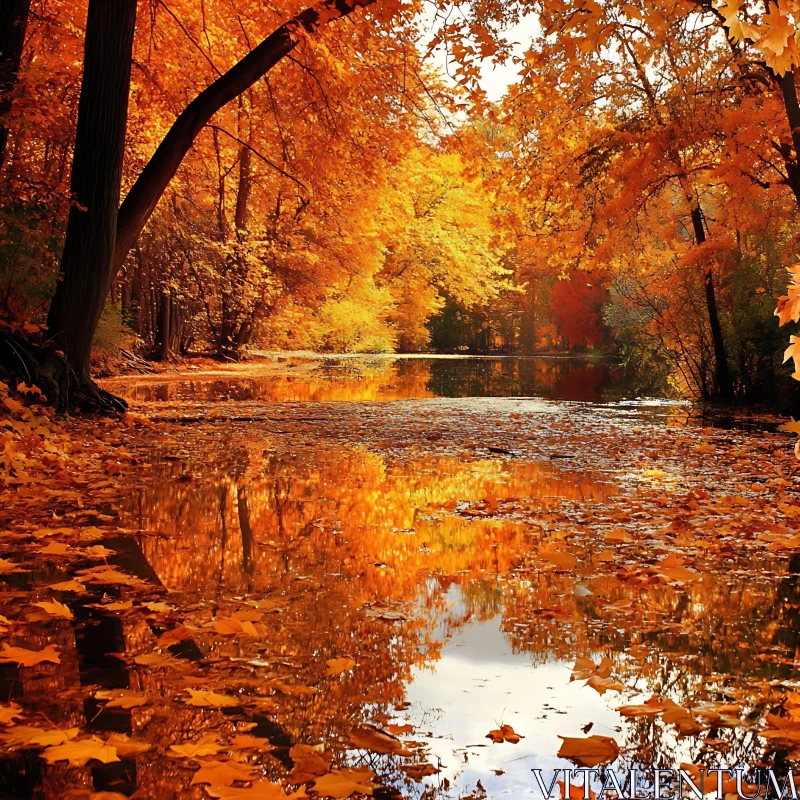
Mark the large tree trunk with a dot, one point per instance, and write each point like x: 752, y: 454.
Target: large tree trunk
x: 722, y: 370
x: 792, y: 108
x: 13, y: 21
x: 85, y: 276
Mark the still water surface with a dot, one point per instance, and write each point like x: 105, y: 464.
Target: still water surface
x: 341, y: 510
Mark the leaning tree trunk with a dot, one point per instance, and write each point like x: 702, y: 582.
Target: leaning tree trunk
x: 13, y: 21
x: 85, y: 275
x: 722, y: 371
x: 141, y: 200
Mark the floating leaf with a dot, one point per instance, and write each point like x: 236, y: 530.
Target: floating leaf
x: 344, y: 783
x: 260, y: 790
x: 81, y: 751
x: 559, y: 558
x: 29, y: 658
x: 589, y: 751
x: 505, y: 733
x: 68, y: 586
x: 309, y: 762
x: 122, y: 698
x: 159, y: 607
x: 55, y: 609
x: 28, y: 736
x: 201, y: 697
x: 336, y: 666
x: 9, y: 713
x: 371, y: 738
x: 230, y: 626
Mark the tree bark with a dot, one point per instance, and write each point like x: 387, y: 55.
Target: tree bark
x: 164, y: 335
x: 242, y: 215
x: 85, y: 277
x: 792, y: 108
x: 141, y: 200
x: 722, y: 370
x: 13, y: 21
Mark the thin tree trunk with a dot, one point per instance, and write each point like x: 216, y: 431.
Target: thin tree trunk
x: 164, y: 336
x: 242, y: 215
x: 141, y: 200
x: 95, y: 185
x: 722, y: 370
x: 13, y: 21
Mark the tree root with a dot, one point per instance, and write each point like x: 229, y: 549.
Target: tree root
x: 45, y: 367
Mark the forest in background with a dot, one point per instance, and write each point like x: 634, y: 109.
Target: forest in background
x: 635, y: 191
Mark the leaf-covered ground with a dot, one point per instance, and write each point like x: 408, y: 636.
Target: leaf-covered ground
x: 247, y: 599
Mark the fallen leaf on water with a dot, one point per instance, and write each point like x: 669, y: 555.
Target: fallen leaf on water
x: 160, y: 607
x: 505, y: 733
x: 223, y: 773
x: 8, y: 566
x: 230, y: 626
x: 679, y: 574
x: 68, y: 586
x: 293, y: 689
x: 246, y: 741
x: 588, y: 752
x: 174, y: 636
x: 55, y: 609
x: 618, y: 535
x: 584, y: 668
x: 559, y: 558
x: 122, y: 606
x: 110, y: 577
x: 79, y: 752
x: 345, y: 782
x: 419, y: 771
x: 201, y: 697
x: 55, y: 549
x: 29, y: 658
x: 122, y: 698
x: 153, y: 660
x: 260, y: 790
x: 336, y: 666
x: 98, y: 551
x: 27, y: 735
x: 668, y: 710
x: 371, y: 738
x: 398, y: 729
x: 207, y: 745
x: 9, y: 713
x: 309, y: 762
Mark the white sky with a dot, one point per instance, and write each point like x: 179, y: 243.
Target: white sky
x: 496, y: 78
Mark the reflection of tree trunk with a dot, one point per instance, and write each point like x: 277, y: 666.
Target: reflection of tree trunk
x: 248, y: 540
x: 13, y: 20
x: 223, y: 545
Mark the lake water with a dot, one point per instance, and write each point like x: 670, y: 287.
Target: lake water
x: 462, y: 546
